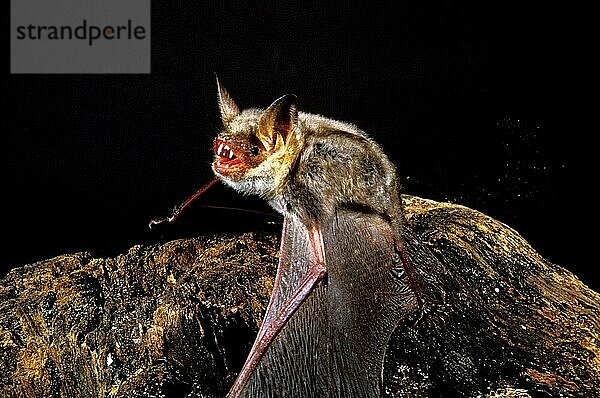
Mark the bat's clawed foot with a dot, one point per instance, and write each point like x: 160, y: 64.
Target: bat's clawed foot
x: 426, y: 301
x: 398, y: 272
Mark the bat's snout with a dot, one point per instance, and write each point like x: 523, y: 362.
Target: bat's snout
x: 226, y: 155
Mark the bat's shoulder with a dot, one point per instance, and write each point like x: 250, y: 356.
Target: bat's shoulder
x: 318, y: 127
x: 330, y: 140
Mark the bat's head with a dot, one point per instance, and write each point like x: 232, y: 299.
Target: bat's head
x: 255, y: 149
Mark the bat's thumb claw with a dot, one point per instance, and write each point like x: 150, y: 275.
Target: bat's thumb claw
x: 152, y: 223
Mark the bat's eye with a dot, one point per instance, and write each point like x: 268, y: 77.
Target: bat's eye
x: 254, y: 150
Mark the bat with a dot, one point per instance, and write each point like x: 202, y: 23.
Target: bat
x: 335, y: 342
x: 329, y: 179
x: 344, y: 279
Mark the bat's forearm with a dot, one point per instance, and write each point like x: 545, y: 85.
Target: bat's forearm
x: 312, y: 277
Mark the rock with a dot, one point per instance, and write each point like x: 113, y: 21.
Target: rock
x: 178, y: 319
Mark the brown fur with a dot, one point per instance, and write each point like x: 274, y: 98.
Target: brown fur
x: 306, y: 165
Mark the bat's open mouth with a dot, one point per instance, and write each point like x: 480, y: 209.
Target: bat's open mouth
x: 227, y: 158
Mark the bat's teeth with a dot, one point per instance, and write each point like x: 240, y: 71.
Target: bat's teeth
x: 231, y: 155
x: 220, y: 149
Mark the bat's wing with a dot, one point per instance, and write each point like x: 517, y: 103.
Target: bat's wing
x: 334, y: 345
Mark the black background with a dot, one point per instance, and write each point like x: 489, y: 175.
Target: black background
x: 476, y: 102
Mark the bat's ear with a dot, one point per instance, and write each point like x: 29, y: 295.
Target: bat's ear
x: 227, y: 106
x: 279, y: 119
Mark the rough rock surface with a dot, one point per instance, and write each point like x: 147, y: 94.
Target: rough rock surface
x: 177, y: 319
